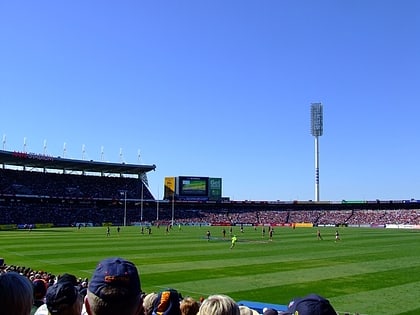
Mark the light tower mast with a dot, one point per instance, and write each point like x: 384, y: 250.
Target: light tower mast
x: 316, y: 131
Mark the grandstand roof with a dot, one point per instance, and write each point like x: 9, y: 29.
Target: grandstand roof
x: 33, y: 160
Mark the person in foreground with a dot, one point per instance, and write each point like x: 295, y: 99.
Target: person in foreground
x: 114, y: 289
x: 311, y: 304
x: 219, y: 304
x: 16, y: 294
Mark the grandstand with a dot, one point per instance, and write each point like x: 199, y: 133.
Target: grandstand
x: 41, y: 190
x: 63, y: 191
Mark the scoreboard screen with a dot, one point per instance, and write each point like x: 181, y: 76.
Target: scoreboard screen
x: 193, y: 186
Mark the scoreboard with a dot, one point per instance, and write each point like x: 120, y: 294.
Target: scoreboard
x: 193, y: 188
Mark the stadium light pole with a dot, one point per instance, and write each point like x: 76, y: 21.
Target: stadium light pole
x: 157, y: 206
x: 317, y: 122
x: 173, y: 208
x: 125, y: 207
x: 141, y: 202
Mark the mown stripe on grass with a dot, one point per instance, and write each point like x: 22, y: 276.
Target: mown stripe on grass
x: 256, y: 281
x: 394, y: 300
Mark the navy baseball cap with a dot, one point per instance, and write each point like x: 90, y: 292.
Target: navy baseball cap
x: 311, y: 304
x: 115, y: 273
x: 167, y: 302
x: 60, y: 295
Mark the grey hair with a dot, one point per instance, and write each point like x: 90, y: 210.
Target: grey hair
x: 99, y: 306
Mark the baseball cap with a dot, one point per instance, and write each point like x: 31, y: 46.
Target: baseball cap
x: 60, y: 295
x: 167, y: 303
x: 68, y: 277
x: 311, y: 304
x: 115, y: 273
x: 269, y: 311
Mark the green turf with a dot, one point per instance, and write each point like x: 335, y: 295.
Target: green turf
x: 370, y: 271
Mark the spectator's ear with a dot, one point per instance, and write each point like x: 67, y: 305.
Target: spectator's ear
x: 87, y: 306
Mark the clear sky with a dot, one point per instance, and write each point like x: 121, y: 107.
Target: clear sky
x: 221, y: 88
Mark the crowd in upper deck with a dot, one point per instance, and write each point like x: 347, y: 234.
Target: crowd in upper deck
x: 70, y: 186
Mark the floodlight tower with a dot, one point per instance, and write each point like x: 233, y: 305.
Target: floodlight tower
x: 316, y: 131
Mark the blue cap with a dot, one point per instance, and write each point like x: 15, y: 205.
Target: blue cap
x: 60, y: 295
x: 115, y: 273
x: 311, y: 304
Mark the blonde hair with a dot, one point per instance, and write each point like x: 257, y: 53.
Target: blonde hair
x: 219, y: 304
x: 148, y: 302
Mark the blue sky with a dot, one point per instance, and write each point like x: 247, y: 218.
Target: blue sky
x: 221, y: 89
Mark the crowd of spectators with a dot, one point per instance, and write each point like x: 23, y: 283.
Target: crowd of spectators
x: 45, y: 211
x: 115, y: 288
x: 34, y: 183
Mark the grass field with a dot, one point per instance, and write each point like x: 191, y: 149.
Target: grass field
x: 370, y: 271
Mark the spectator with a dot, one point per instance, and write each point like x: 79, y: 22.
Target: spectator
x: 40, y: 289
x: 62, y: 298
x: 311, y: 304
x: 16, y: 294
x: 269, y: 311
x: 189, y: 306
x: 167, y: 302
x: 114, y: 289
x: 245, y: 310
x: 219, y: 305
x: 148, y: 302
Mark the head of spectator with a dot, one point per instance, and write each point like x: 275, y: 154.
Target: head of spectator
x: 219, y: 304
x: 63, y: 298
x: 311, y: 304
x: 114, y: 289
x: 148, y: 302
x: 189, y: 306
x: 16, y: 294
x: 245, y: 310
x: 167, y: 302
x: 40, y: 289
x: 68, y: 278
x: 269, y: 311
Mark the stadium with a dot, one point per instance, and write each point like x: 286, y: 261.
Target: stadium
x: 52, y: 205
